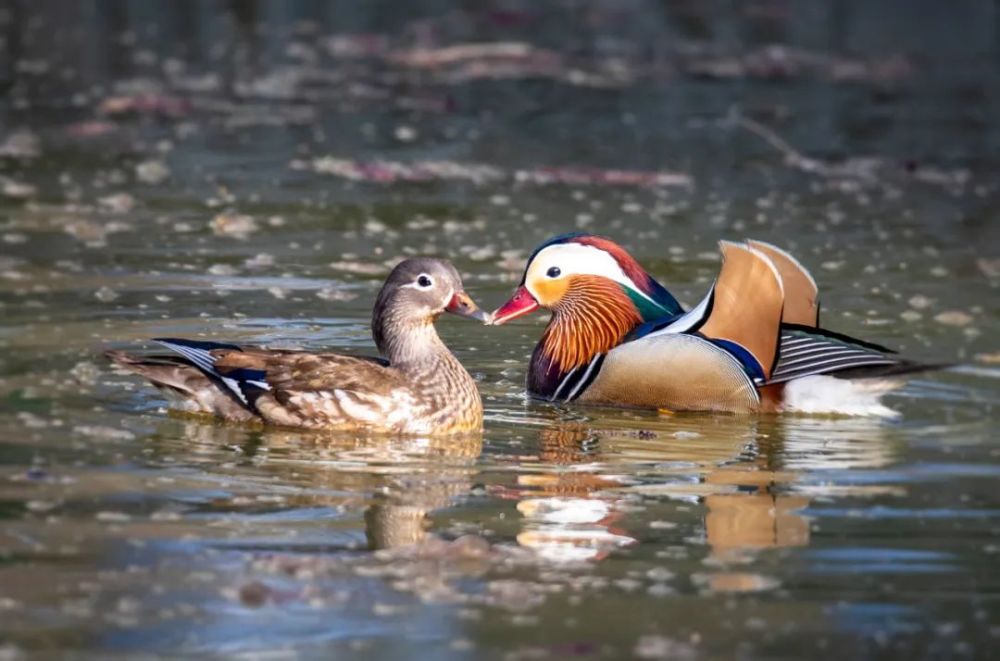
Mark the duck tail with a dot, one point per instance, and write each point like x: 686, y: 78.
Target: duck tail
x: 822, y: 394
x: 903, y: 368
x: 161, y: 371
x: 188, y: 388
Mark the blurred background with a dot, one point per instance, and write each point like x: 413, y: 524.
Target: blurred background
x: 250, y: 171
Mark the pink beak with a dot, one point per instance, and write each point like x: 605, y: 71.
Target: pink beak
x: 462, y: 305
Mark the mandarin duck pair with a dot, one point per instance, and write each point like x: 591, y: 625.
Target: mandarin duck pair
x: 616, y: 337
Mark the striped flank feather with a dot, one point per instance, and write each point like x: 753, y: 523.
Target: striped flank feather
x: 809, y: 352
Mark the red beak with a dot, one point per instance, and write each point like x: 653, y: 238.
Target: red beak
x: 520, y: 304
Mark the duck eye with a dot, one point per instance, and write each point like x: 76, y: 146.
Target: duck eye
x: 553, y: 272
x: 424, y: 281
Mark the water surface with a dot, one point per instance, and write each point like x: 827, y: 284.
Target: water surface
x: 259, y: 192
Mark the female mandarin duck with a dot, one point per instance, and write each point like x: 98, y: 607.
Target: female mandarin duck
x: 618, y: 337
x: 417, y: 387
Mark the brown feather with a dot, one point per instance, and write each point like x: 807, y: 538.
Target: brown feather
x: 187, y: 386
x: 748, y: 303
x: 801, y: 292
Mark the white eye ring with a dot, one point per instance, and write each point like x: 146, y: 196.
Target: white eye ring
x: 424, y: 281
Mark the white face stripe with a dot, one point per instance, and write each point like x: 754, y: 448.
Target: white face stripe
x: 578, y: 259
x: 414, y: 285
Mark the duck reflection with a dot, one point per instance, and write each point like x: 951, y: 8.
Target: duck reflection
x: 397, y: 481
x: 411, y: 477
x: 577, y: 514
x: 747, y: 473
x: 594, y: 487
x: 569, y: 514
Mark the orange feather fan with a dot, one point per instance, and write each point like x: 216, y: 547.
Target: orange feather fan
x: 593, y: 317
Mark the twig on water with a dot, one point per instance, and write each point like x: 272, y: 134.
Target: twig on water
x: 859, y: 168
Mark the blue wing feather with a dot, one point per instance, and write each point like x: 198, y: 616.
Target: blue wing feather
x: 746, y: 359
x: 199, y: 353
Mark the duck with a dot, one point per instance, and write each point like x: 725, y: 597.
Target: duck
x: 416, y: 386
x: 617, y: 337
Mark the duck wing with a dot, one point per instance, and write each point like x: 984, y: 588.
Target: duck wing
x: 189, y: 388
x: 710, y: 358
x: 284, y: 387
x: 305, y: 389
x: 806, y: 351
x: 746, y: 306
x: 328, y: 390
x: 801, y: 294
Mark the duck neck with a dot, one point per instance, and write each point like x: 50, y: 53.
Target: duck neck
x: 407, y: 343
x: 413, y: 347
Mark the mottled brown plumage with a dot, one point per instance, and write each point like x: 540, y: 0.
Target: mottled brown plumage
x: 417, y: 387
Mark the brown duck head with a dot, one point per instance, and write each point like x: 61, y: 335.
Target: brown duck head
x: 414, y: 295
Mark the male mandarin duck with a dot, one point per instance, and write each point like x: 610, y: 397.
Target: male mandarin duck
x: 416, y: 387
x: 618, y: 337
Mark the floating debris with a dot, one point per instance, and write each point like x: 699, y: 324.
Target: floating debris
x: 223, y: 270
x: 360, y: 268
x: 778, y: 62
x: 259, y: 261
x: 254, y: 594
x: 989, y: 267
x: 405, y: 133
x: 852, y: 173
x: 93, y: 234
x: 85, y: 373
x: 106, y: 294
x: 477, y: 173
x: 152, y: 172
x: 91, y: 128
x: 662, y: 647
x: 117, y: 203
x: 104, y: 433
x: 335, y: 294
x: 17, y: 190
x: 232, y: 224
x: 22, y: 144
x: 113, y: 517
x: 146, y: 104
x: 953, y: 318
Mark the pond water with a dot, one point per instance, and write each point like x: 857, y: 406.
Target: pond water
x: 254, y: 180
